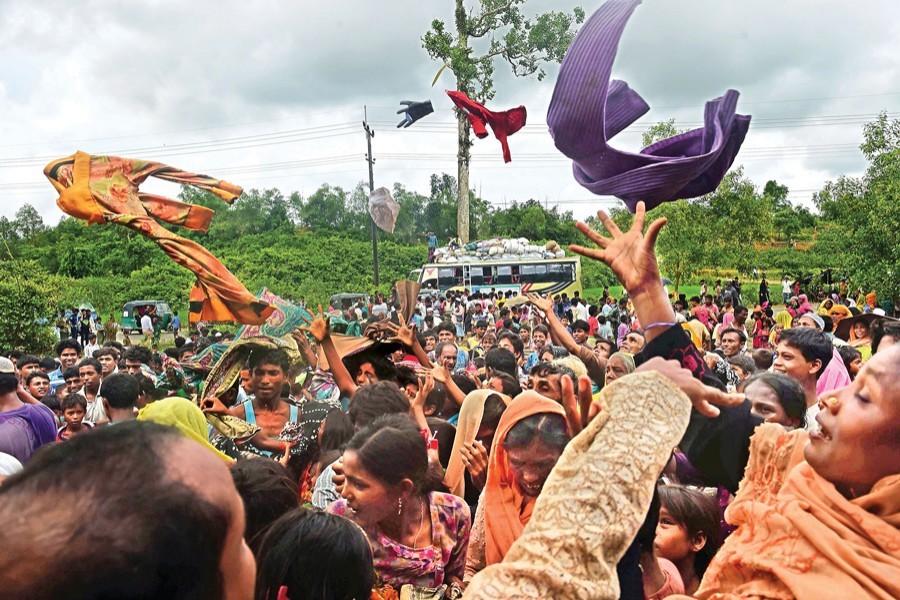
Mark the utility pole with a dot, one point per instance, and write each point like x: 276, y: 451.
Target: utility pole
x: 369, y: 135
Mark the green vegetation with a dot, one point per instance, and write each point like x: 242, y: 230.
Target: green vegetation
x: 316, y: 246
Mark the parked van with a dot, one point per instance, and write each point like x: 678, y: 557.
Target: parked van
x: 134, y: 310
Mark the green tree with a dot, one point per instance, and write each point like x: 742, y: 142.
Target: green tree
x: 26, y: 307
x: 410, y: 226
x: 742, y: 217
x: 8, y: 231
x: 524, y: 43
x: 324, y: 209
x: 684, y: 243
x: 660, y: 131
x: 861, y: 215
x: 788, y: 220
x: 28, y: 222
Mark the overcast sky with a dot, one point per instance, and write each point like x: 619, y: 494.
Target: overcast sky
x: 271, y: 94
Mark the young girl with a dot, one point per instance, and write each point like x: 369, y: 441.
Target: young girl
x: 852, y: 360
x: 688, y: 532
x: 74, y: 407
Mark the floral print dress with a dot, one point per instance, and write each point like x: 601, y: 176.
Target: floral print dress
x: 397, y: 565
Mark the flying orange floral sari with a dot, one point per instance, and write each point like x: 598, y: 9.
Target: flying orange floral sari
x: 104, y: 189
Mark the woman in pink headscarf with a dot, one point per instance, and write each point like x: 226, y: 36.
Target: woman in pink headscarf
x: 727, y: 321
x: 805, y: 306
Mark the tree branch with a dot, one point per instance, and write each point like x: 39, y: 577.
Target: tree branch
x: 482, y: 25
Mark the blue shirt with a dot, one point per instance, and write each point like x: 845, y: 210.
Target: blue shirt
x: 176, y: 323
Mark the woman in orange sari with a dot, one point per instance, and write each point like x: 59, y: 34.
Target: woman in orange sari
x: 529, y: 440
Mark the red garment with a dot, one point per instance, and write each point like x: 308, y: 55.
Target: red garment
x: 503, y: 124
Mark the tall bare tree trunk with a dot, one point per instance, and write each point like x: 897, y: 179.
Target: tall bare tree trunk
x: 462, y: 159
x: 462, y: 128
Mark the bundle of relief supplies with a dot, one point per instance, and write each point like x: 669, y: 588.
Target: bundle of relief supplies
x: 501, y: 249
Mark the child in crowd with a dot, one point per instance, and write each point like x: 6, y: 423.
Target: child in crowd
x: 852, y: 360
x: 53, y: 402
x: 74, y: 408
x: 688, y: 532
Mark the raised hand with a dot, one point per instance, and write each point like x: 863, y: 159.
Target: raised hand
x: 286, y: 457
x: 702, y: 396
x: 580, y: 407
x: 405, y: 335
x: 319, y: 327
x: 475, y: 458
x: 630, y: 255
x: 544, y: 304
x: 213, y: 405
x: 440, y: 374
x: 426, y: 386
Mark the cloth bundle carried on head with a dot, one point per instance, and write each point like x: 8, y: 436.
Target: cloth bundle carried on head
x: 104, y: 189
x: 587, y: 109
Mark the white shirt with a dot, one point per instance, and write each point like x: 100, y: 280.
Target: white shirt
x: 147, y: 324
x: 89, y: 350
x: 786, y: 286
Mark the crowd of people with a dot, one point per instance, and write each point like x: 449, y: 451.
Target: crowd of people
x: 469, y: 444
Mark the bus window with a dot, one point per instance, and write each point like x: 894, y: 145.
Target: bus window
x: 527, y: 274
x: 540, y: 274
x: 561, y: 272
x: 446, y: 277
x: 488, y: 276
x: 477, y: 275
x: 504, y: 275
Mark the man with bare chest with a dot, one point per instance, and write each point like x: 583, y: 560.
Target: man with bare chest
x: 269, y: 374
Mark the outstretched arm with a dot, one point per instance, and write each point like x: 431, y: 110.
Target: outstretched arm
x: 320, y: 328
x: 558, y: 332
x: 632, y: 258
x: 407, y: 336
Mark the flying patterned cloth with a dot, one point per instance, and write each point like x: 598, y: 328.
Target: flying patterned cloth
x: 587, y: 109
x: 285, y: 317
x: 104, y: 189
x: 503, y: 124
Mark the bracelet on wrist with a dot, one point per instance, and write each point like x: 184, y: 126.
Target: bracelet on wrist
x: 659, y: 324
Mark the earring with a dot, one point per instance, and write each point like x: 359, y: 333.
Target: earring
x: 399, y: 506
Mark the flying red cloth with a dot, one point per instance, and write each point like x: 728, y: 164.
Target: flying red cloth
x: 503, y: 124
x: 104, y: 189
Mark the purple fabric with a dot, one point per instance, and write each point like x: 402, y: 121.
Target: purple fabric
x: 588, y: 109
x: 25, y: 429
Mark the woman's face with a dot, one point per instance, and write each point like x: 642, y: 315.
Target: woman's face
x: 860, y: 330
x: 615, y: 368
x: 368, y: 497
x: 858, y: 441
x: 366, y: 374
x: 765, y: 404
x: 531, y: 466
x: 488, y: 341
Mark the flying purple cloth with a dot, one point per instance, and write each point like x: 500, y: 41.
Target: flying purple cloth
x: 588, y: 109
